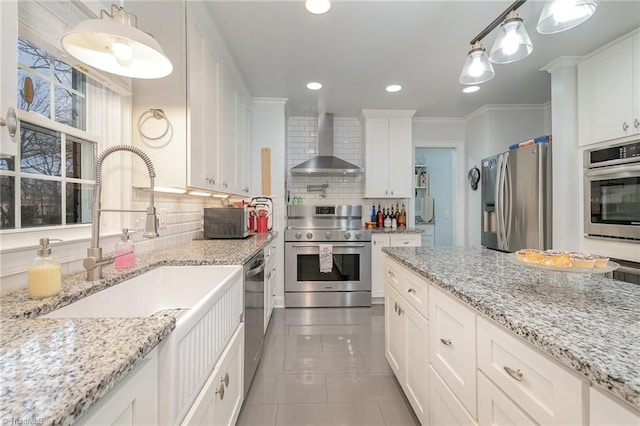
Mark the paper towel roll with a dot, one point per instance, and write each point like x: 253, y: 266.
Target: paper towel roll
x: 427, y: 209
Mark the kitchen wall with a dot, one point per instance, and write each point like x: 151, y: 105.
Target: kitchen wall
x: 181, y: 221
x: 302, y: 144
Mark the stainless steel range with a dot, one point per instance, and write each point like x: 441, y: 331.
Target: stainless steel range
x: 337, y: 230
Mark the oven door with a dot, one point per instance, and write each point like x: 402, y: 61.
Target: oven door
x: 612, y: 202
x: 351, y: 268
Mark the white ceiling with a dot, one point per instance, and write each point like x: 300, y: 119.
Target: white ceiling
x: 360, y: 47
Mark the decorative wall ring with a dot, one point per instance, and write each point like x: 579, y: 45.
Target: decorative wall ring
x: 157, y: 114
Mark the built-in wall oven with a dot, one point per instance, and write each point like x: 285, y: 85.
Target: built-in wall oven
x: 338, y: 229
x: 612, y: 192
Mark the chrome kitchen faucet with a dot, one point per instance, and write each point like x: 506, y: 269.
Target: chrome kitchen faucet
x: 94, y: 261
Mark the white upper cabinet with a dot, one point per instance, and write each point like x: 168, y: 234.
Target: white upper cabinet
x: 609, y: 92
x: 388, y: 146
x: 199, y: 99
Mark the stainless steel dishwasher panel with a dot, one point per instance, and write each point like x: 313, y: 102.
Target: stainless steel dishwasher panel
x: 253, y: 316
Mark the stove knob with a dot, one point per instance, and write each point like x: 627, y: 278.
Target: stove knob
x: 327, y: 235
x: 298, y: 235
x: 309, y: 235
x: 347, y: 235
x: 358, y: 236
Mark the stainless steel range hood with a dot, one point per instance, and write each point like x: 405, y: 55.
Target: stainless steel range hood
x: 326, y: 164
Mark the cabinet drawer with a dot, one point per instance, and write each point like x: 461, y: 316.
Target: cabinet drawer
x: 494, y: 408
x: 393, y: 274
x: 406, y: 240
x: 452, y: 345
x: 416, y: 290
x: 544, y: 389
x: 444, y: 407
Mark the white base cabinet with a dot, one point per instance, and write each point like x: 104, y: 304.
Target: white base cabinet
x: 270, y: 256
x: 444, y: 407
x: 134, y: 401
x: 494, y: 408
x: 378, y: 242
x: 406, y: 343
x: 605, y: 411
x: 221, y: 398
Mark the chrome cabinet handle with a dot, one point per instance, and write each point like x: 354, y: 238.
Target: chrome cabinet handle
x: 395, y: 306
x: 391, y: 274
x: 405, y: 242
x: 226, y: 379
x: 400, y: 310
x: 412, y: 291
x: 11, y: 122
x: 386, y: 192
x: 220, y: 391
x: 392, y: 192
x: 513, y: 373
x: 636, y: 123
x: 625, y: 126
x: 446, y: 342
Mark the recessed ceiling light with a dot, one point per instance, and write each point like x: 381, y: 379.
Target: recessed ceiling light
x: 470, y: 89
x: 314, y: 85
x: 317, y: 7
x: 394, y: 88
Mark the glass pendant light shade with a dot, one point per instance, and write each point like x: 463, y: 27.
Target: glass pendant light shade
x: 317, y: 7
x: 512, y: 43
x: 477, y: 68
x: 560, y: 15
x: 118, y: 47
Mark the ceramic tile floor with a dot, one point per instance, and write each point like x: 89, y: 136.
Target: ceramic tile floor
x: 326, y: 366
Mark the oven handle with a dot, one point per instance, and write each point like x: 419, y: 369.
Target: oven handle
x: 334, y: 245
x: 618, y: 171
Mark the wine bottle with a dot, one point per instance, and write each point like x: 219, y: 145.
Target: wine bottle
x: 380, y: 218
x: 374, y: 216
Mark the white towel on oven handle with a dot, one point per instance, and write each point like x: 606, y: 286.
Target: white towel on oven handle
x: 326, y: 258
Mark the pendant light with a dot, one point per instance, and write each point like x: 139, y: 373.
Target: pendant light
x: 317, y: 7
x: 512, y: 43
x: 560, y: 15
x: 477, y: 68
x: 115, y: 44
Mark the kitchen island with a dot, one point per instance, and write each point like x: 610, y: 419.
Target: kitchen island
x: 53, y: 370
x: 591, y: 326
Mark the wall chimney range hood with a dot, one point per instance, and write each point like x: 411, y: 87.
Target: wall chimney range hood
x: 326, y: 164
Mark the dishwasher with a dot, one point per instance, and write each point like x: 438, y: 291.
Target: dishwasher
x: 253, y: 316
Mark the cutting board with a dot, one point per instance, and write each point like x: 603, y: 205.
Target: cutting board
x: 266, y: 171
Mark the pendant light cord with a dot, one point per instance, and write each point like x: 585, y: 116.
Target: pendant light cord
x: 514, y: 6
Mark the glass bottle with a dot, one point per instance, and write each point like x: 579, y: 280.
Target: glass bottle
x: 44, y: 276
x: 125, y: 252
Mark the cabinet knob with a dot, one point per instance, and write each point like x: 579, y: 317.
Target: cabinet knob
x: 446, y: 342
x: 412, y: 291
x: 225, y: 184
x: 636, y: 123
x: 226, y: 379
x: 11, y: 122
x: 386, y: 192
x: 392, y: 192
x: 625, y: 126
x: 517, y: 375
x: 220, y: 391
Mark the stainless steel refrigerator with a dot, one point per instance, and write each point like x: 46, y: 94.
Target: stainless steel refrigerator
x: 516, y: 199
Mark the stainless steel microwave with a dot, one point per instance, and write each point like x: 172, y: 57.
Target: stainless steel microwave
x: 226, y: 222
x: 612, y: 192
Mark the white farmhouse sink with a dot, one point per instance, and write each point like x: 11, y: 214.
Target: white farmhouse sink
x: 167, y: 287
x: 213, y: 296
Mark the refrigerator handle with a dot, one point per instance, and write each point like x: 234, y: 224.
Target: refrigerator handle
x: 509, y: 204
x: 500, y: 201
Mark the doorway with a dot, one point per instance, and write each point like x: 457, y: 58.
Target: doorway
x: 435, y: 192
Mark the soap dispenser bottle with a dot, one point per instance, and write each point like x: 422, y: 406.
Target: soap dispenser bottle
x: 125, y: 252
x: 44, y: 275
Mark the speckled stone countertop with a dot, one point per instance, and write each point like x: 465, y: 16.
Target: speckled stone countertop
x: 592, y: 325
x: 396, y: 231
x: 53, y: 370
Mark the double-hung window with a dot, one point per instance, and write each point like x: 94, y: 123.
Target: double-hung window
x: 50, y: 181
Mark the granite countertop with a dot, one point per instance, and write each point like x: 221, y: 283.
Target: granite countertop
x: 396, y: 231
x: 591, y: 325
x: 53, y: 370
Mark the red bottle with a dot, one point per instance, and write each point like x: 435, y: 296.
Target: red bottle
x: 380, y: 218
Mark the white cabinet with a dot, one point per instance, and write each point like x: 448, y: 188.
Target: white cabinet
x: 605, y: 411
x: 8, y: 72
x: 406, y: 343
x: 134, y: 401
x: 388, y: 152
x: 199, y: 99
x: 444, y: 407
x: 494, y: 408
x: 270, y: 256
x: 452, y: 346
x: 609, y: 92
x: 243, y: 146
x: 547, y: 392
x: 379, y: 241
x: 221, y: 398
